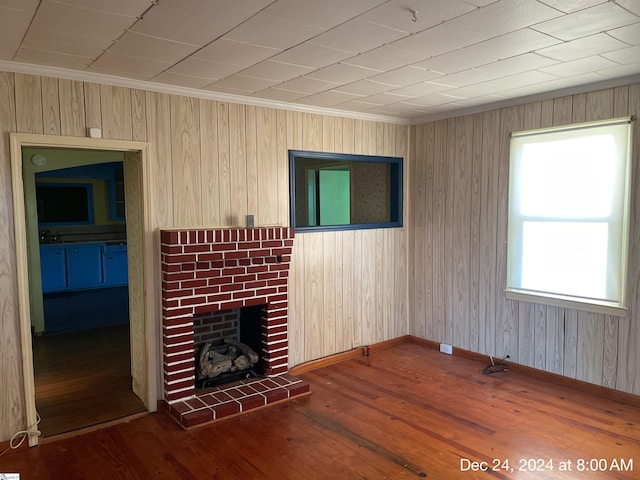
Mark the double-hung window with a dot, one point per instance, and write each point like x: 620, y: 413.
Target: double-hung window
x: 569, y: 190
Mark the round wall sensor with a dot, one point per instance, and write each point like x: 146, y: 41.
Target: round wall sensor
x: 38, y: 159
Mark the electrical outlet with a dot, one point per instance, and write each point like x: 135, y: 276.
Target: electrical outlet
x: 445, y: 348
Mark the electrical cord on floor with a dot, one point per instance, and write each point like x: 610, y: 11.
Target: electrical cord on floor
x: 20, y: 436
x: 496, y: 367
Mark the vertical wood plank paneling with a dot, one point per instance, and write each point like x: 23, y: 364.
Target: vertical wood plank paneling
x: 238, y: 165
x: 313, y: 296
x: 402, y: 241
x: 449, y: 202
x: 343, y: 342
x: 209, y: 162
x: 138, y: 116
x: 440, y: 169
x: 327, y: 324
x: 570, y: 356
x: 224, y: 164
x: 590, y: 349
x: 251, y: 138
x: 267, y: 165
x: 159, y: 128
x: 50, y: 106
x: 11, y: 395
x: 554, y: 347
x: 488, y: 225
x: 474, y: 239
x: 610, y: 352
x: 599, y: 105
x: 461, y: 232
x: 93, y: 105
x: 185, y: 154
x: 116, y: 112
x: 349, y: 284
x: 72, y: 120
x: 420, y: 264
x: 562, y: 110
x: 296, y: 309
x: 28, y: 107
x: 283, y: 168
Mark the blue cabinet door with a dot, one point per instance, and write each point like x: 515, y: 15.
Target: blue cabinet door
x: 84, y: 265
x: 115, y: 265
x: 53, y: 266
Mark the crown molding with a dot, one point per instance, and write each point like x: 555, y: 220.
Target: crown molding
x: 83, y: 76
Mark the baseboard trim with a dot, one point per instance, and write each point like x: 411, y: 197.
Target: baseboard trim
x: 326, y: 361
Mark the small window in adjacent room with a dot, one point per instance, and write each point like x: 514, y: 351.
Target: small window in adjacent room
x: 331, y: 191
x: 569, y: 193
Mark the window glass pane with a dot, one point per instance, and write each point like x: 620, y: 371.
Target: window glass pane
x: 565, y: 258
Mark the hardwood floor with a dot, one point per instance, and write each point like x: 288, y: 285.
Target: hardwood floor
x: 405, y: 412
x: 83, y: 378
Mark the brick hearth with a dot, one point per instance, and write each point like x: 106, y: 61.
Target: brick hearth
x: 210, y: 270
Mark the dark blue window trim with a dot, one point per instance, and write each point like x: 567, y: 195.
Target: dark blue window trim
x: 396, y: 197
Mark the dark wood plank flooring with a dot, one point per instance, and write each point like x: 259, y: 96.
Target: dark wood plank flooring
x: 406, y: 412
x: 83, y: 378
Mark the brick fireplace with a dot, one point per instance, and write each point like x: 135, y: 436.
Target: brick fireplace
x: 214, y: 270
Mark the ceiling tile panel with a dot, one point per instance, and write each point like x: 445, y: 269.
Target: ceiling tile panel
x: 67, y: 43
x: 237, y: 53
x: 629, y: 34
x: 582, y: 47
x: 342, y: 73
x: 310, y: 54
x: 278, y: 71
x: 385, y: 58
x: 631, y: 5
x: 41, y: 57
x: 131, y: 8
x: 308, y: 85
x: 325, y: 14
x: 570, y: 6
x: 270, y: 31
x: 13, y: 25
x: 621, y: 71
x: 80, y: 21
x: 242, y: 82
x: 365, y: 88
x: 279, y: 95
x: 625, y: 56
x: 152, y: 48
x: 398, y: 13
x: 513, y: 65
x: 577, y: 67
x: 134, y: 67
x: 202, y: 68
x: 600, y: 18
x: 386, y: 98
x: 171, y: 78
x: 359, y: 36
x: 404, y: 76
x: 421, y: 89
x: 330, y: 98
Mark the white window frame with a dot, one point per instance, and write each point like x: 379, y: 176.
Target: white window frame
x: 617, y: 224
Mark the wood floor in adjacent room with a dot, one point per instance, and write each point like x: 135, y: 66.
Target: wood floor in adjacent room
x: 83, y: 378
x: 406, y: 412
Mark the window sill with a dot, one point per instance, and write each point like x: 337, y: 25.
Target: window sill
x: 605, y: 308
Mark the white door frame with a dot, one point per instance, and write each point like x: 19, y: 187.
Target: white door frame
x: 144, y: 293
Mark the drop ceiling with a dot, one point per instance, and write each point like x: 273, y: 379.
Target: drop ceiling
x: 406, y: 60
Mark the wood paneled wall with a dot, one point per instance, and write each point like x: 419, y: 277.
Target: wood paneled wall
x: 211, y: 164
x: 459, y: 193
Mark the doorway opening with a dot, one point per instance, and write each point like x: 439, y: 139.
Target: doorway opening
x: 81, y: 343
x: 95, y: 352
